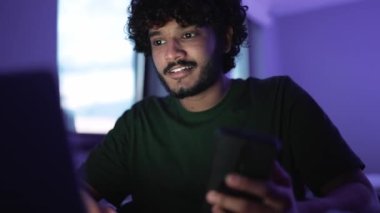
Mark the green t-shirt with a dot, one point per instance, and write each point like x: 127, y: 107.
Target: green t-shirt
x: 161, y: 153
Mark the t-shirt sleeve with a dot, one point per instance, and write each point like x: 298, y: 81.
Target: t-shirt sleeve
x: 106, y: 168
x: 320, y: 152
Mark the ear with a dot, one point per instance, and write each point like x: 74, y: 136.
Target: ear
x: 228, y: 40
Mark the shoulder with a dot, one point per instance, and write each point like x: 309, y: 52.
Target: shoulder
x: 136, y: 117
x: 145, y: 110
x: 268, y: 84
x: 271, y: 83
x: 272, y: 87
x: 148, y: 104
x: 149, y: 101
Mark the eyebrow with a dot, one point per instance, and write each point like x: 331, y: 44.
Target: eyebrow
x: 153, y: 33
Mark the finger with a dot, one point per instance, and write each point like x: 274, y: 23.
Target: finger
x: 241, y: 183
x: 217, y: 209
x: 274, y: 196
x: 234, y: 204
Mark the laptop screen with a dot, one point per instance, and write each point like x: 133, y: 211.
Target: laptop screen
x: 36, y: 166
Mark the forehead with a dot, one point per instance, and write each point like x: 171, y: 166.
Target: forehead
x: 170, y: 25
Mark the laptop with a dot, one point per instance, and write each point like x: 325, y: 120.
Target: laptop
x: 36, y: 166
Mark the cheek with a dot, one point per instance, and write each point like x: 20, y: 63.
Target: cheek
x: 157, y: 62
x: 206, y: 50
x: 204, y: 56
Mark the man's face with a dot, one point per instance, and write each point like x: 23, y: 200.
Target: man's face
x: 188, y: 59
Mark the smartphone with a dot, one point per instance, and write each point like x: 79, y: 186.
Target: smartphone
x: 244, y: 152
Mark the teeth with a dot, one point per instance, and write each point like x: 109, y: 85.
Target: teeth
x: 179, y: 69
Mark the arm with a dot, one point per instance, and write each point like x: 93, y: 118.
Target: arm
x: 90, y: 191
x: 91, y: 198
x: 104, y: 174
x: 92, y: 206
x: 349, y: 192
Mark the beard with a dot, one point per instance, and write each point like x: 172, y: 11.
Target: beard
x: 209, y: 74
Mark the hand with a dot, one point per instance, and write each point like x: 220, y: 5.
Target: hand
x: 276, y: 194
x: 93, y: 207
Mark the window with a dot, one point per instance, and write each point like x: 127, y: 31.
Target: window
x: 97, y: 65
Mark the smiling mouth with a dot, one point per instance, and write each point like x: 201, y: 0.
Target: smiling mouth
x: 181, y: 69
x: 179, y: 66
x: 181, y: 72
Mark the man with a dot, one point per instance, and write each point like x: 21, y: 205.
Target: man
x: 160, y: 150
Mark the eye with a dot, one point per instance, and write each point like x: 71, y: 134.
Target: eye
x: 188, y: 35
x: 158, y: 42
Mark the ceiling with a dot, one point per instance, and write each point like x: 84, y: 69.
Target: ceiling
x: 263, y: 11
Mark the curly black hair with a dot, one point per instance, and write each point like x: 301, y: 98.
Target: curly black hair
x: 220, y: 15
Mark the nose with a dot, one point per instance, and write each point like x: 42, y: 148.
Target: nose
x: 174, y: 51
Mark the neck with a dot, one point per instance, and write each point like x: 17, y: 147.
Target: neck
x: 208, y: 98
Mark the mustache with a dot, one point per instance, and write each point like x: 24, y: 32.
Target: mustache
x: 180, y: 62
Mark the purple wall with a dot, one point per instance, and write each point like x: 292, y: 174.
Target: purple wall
x: 28, y: 34
x: 334, y: 53
x: 264, y: 51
